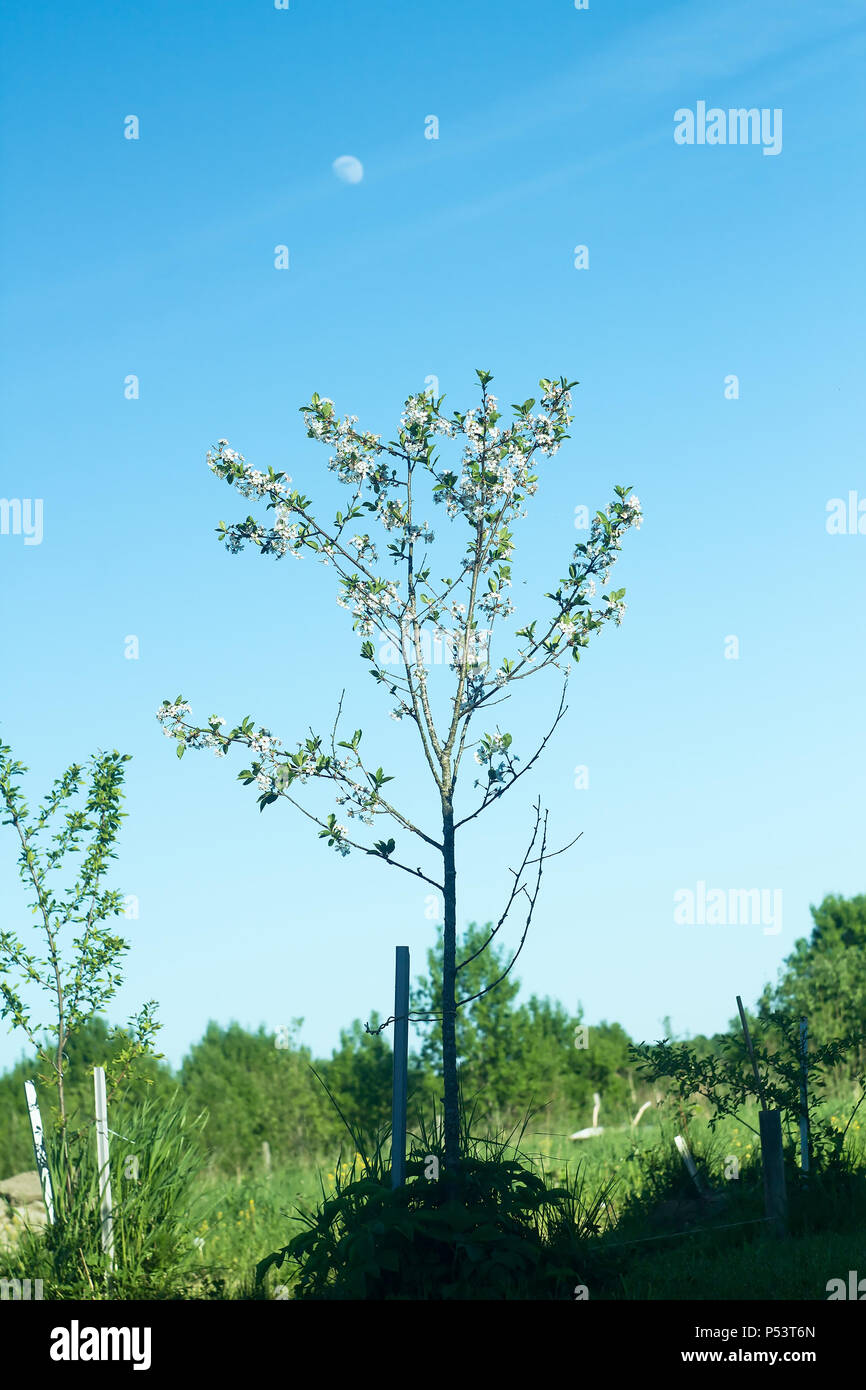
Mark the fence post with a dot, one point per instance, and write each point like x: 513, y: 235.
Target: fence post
x: 102, y: 1164
x: 772, y: 1156
x: 39, y: 1148
x: 401, y: 1067
x: 773, y: 1163
x: 804, y: 1098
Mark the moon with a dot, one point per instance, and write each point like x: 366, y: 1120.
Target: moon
x: 348, y: 169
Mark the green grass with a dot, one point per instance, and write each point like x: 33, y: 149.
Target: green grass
x: 184, y: 1233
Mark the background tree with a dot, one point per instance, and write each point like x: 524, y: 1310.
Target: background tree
x: 484, y: 492
x: 824, y: 979
x: 517, y: 1058
x: 484, y: 1032
x: 839, y: 922
x: 360, y: 1075
x: 256, y: 1091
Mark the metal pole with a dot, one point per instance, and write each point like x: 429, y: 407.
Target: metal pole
x: 39, y: 1148
x: 401, y: 1068
x: 102, y: 1164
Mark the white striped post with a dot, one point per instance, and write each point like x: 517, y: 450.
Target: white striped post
x: 39, y: 1148
x: 401, y: 1068
x: 103, y: 1165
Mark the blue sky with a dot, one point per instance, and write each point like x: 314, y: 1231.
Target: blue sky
x: 155, y: 257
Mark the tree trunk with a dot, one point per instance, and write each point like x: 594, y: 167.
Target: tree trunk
x: 61, y: 1096
x: 449, y: 1012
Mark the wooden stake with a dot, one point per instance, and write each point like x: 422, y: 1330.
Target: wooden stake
x: 103, y: 1164
x: 691, y: 1166
x: 401, y: 1068
x: 760, y: 1088
x: 39, y: 1148
x: 772, y: 1155
x: 773, y: 1162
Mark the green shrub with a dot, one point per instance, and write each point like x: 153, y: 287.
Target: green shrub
x: 495, y: 1228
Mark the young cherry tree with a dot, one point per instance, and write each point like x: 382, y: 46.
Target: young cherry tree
x: 482, y: 492
x: 80, y: 973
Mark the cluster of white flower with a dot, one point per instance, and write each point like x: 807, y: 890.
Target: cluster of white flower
x: 633, y: 503
x: 417, y: 411
x: 447, y: 427
x: 603, y: 545
x: 319, y: 424
x: 213, y: 741
x: 363, y: 816
x: 252, y: 482
x: 172, y: 712
x: 274, y: 772
x: 356, y: 450
x: 263, y: 743
x: 494, y: 603
x: 543, y: 436
x: 351, y: 462
x: 368, y: 605
x: 496, y: 463
x: 171, y: 718
x: 365, y: 547
x: 223, y: 455
x: 488, y: 749
x: 288, y: 533
x: 422, y: 418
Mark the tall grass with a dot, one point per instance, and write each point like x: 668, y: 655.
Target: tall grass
x: 156, y: 1155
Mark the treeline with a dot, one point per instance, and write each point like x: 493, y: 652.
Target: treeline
x: 259, y: 1087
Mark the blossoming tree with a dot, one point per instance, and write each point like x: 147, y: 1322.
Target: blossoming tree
x: 482, y: 491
